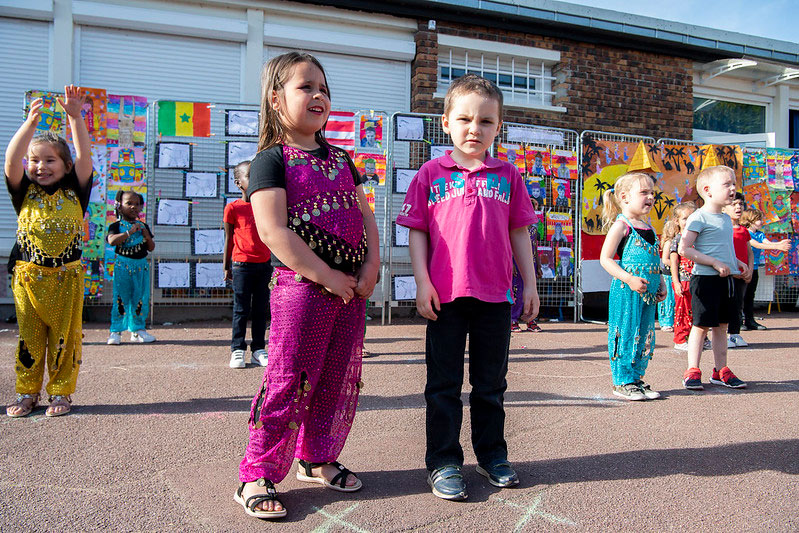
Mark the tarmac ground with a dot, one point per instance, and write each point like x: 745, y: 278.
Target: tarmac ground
x: 157, y: 431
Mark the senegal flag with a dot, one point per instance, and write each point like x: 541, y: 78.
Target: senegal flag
x: 184, y: 119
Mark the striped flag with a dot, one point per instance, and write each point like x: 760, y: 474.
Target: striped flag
x: 340, y: 130
x: 184, y: 119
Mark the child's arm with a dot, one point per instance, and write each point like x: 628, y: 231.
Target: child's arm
x: 674, y: 261
x: 784, y: 245
x: 523, y: 253
x: 228, y: 253
x: 367, y: 275
x: 72, y: 104
x: 612, y: 241
x: 665, y: 253
x: 687, y: 250
x: 271, y: 218
x: 148, y: 237
x: 18, y: 146
x: 427, y: 302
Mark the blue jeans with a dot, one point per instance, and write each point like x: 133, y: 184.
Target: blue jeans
x: 250, y: 300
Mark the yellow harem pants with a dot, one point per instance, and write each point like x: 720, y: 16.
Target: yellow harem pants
x: 49, y: 304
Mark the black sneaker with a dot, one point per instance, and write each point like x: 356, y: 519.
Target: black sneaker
x: 752, y: 326
x: 447, y: 483
x: 499, y: 474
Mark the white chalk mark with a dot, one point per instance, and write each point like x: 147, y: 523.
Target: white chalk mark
x: 337, y: 520
x: 532, y: 511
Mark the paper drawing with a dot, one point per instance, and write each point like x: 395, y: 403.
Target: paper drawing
x: 173, y: 155
x: 172, y: 212
x: 564, y: 164
x: 547, y: 262
x: 200, y: 184
x: 209, y: 275
x: 793, y: 256
x: 126, y: 120
x: 410, y: 128
x: 540, y: 227
x: 439, y: 151
x: 52, y: 116
x: 404, y: 288
x: 513, y: 154
x: 401, y: 234
x: 534, y: 135
x: 536, y: 188
x: 754, y: 165
x: 602, y: 163
x: 208, y: 241
x: 100, y: 166
x: 781, y: 209
x: 371, y: 131
x: 565, y: 267
x: 369, y: 192
x: 173, y: 275
x: 94, y: 114
x: 402, y: 179
x: 238, y: 151
x: 372, y: 167
x: 758, y: 196
x: 559, y: 228
x: 94, y: 231
x: 561, y: 193
x: 537, y: 161
x: 776, y: 260
x: 241, y: 122
x: 126, y: 166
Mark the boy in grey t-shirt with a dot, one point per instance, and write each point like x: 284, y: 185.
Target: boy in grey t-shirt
x: 707, y: 241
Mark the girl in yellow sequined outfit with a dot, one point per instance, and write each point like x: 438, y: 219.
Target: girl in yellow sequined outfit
x: 50, y: 196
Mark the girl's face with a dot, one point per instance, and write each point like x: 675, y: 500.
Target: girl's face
x: 638, y: 200
x: 682, y: 220
x: 757, y: 225
x: 45, y: 166
x: 130, y: 206
x: 303, y: 104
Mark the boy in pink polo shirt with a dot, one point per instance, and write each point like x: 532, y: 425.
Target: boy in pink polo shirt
x: 468, y: 215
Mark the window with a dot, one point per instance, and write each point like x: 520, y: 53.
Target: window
x: 729, y: 117
x: 793, y: 128
x: 523, y: 73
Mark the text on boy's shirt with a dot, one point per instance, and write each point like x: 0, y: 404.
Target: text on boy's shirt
x: 490, y: 186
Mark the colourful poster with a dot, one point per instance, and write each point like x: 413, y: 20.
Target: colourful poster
x: 564, y: 164
x: 513, y: 154
x: 565, y: 265
x: 561, y: 193
x: 94, y: 113
x: 559, y: 228
x: 184, y: 119
x: 602, y: 163
x: 126, y: 166
x: 371, y: 131
x: 793, y: 256
x: 795, y: 211
x: 537, y: 189
x: 537, y: 160
x: 781, y: 208
x: 126, y: 120
x: 546, y: 261
x: 757, y: 196
x: 754, y: 165
x: 94, y: 228
x: 776, y: 260
x: 369, y: 191
x: 52, y: 117
x: 93, y: 277
x: 540, y: 227
x: 372, y: 167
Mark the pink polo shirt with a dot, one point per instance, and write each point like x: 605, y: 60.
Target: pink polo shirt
x: 468, y: 215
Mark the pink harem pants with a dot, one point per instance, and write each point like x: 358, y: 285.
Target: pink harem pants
x: 307, y: 401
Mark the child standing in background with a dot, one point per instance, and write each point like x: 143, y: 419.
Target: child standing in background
x: 246, y: 262
x: 743, y: 252
x: 132, y: 240
x: 752, y: 219
x: 680, y: 269
x: 312, y: 213
x: 666, y: 306
x: 50, y: 196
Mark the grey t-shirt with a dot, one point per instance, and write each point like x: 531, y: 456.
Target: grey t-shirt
x: 714, y: 239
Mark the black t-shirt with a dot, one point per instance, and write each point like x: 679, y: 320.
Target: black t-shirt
x: 648, y: 234
x: 137, y: 251
x: 69, y: 181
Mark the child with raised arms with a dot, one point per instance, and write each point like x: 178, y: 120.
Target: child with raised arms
x: 468, y: 215
x: 50, y: 196
x: 132, y: 240
x: 311, y: 212
x: 708, y: 242
x: 637, y: 284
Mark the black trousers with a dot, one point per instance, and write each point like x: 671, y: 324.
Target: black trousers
x: 250, y: 300
x: 749, y: 300
x: 488, y: 329
x: 738, y: 290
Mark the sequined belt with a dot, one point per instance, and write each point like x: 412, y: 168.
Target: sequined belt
x: 332, y: 249
x: 31, y: 253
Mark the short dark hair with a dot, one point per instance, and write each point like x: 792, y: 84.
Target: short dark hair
x: 242, y: 170
x: 739, y: 196
x: 472, y: 83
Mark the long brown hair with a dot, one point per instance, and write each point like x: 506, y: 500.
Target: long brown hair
x: 273, y: 78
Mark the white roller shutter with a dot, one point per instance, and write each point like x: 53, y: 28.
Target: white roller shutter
x: 358, y: 82
x: 160, y: 66
x: 23, y: 64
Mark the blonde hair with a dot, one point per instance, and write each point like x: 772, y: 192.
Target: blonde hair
x: 750, y: 216
x: 611, y: 198
x: 273, y: 78
x: 709, y: 174
x: 672, y: 226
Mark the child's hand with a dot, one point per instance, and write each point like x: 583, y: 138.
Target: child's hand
x: 427, y: 301
x: 637, y: 284
x: 340, y: 284
x: 661, y: 294
x: 367, y: 279
x: 135, y: 227
x: 721, y: 268
x: 784, y: 245
x: 35, y: 112
x: 531, y: 304
x: 73, y: 101
x: 677, y: 286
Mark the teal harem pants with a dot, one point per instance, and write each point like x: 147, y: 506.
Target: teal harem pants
x: 131, y: 303
x: 631, y: 333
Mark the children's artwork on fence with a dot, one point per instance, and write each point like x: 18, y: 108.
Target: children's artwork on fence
x: 372, y: 167
x: 94, y: 112
x: 781, y: 205
x: 559, y: 228
x: 541, y: 225
x: 126, y: 166
x: 561, y: 193
x: 173, y: 275
x: 171, y: 212
x: 340, y: 130
x: 184, y: 119
x: 513, y: 154
x: 200, y: 184
x: 173, y: 155
x: 534, y: 135
x: 537, y: 160
x: 779, y: 169
x: 410, y: 128
x: 564, y: 164
x: 100, y: 178
x: 402, y: 179
x: 93, y: 277
x: 94, y: 231
x: 369, y: 192
x: 207, y: 241
x: 787, y: 168
x: 231, y: 183
x: 547, y: 262
x: 241, y: 122
x: 776, y: 260
x: 602, y: 163
x: 238, y: 151
x: 758, y: 196
x: 793, y: 256
x: 438, y: 151
x: 52, y: 117
x: 371, y: 131
x: 126, y: 120
x: 209, y: 275
x: 403, y: 288
x: 537, y: 189
x: 401, y: 234
x: 565, y: 258
x: 754, y: 165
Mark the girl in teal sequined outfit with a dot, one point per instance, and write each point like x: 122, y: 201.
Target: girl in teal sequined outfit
x: 637, y: 285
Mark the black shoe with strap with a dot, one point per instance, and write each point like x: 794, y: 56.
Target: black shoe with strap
x: 256, y: 499
x: 447, y: 483
x: 339, y: 482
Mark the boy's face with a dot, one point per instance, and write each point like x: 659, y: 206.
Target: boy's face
x: 472, y: 123
x: 720, y: 189
x: 242, y: 183
x: 734, y: 210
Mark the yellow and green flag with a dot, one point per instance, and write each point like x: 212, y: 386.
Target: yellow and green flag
x: 184, y: 119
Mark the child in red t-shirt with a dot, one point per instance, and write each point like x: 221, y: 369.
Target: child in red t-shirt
x: 743, y: 252
x: 247, y: 262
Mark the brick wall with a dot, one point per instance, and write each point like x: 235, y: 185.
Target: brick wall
x: 602, y: 87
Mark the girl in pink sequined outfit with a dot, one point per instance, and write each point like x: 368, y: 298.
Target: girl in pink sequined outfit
x: 311, y: 212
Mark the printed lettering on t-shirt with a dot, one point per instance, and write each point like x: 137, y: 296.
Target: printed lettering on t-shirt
x: 491, y: 186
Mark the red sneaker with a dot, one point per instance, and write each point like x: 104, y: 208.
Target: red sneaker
x: 726, y: 378
x: 692, y: 379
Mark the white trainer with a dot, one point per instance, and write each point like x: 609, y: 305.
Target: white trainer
x: 681, y: 346
x: 259, y: 357
x: 739, y: 341
x: 237, y: 359
x: 141, y: 336
x: 731, y: 342
x: 114, y: 338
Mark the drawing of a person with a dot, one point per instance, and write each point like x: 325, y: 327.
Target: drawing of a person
x: 369, y: 139
x: 538, y: 165
x: 561, y: 200
x: 536, y: 194
x: 558, y: 235
x: 563, y: 169
x: 370, y: 172
x: 546, y: 268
